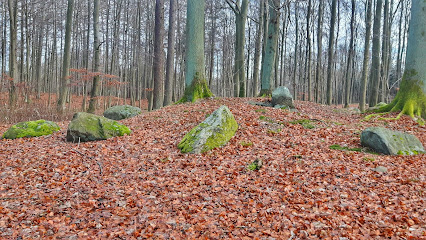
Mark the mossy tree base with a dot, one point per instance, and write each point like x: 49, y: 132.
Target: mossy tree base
x: 265, y: 93
x: 197, y: 90
x: 410, y: 100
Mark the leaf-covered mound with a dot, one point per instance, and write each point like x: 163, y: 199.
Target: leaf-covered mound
x: 142, y: 186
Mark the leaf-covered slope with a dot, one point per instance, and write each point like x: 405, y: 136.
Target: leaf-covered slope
x: 142, y: 186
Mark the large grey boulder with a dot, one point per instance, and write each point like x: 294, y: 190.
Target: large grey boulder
x: 122, y: 112
x: 86, y: 127
x: 282, y: 96
x: 31, y: 129
x: 215, y: 131
x: 390, y: 142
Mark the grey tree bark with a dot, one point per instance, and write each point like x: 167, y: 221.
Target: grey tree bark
x: 375, y: 64
x: 239, y: 8
x: 158, y: 55
x: 331, y: 53
x: 271, y: 47
x: 13, y: 68
x: 318, y: 75
x: 96, y: 46
x: 349, y: 67
x: 64, y: 90
x: 195, y: 82
x: 168, y: 92
x: 258, y: 49
x: 364, y: 78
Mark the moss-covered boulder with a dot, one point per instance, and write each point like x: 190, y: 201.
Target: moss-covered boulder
x: 31, y: 129
x: 86, y: 127
x: 122, y: 112
x: 215, y: 131
x: 386, y: 141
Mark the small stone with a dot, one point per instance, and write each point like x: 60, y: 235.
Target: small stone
x: 380, y: 169
x: 122, y: 112
x: 319, y: 225
x: 282, y: 96
x: 344, y: 195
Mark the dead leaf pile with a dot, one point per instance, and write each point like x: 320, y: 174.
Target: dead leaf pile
x: 140, y: 186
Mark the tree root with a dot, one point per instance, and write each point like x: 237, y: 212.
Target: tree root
x: 404, y: 106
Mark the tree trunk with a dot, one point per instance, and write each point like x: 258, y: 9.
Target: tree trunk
x: 384, y: 70
x: 331, y: 53
x: 241, y: 19
x: 258, y: 49
x: 39, y: 56
x: 296, y: 48
x: 212, y: 42
x: 364, y: 78
x: 318, y: 75
x: 349, y: 66
x: 96, y: 46
x: 411, y: 98
x: 375, y: 65
x: 66, y: 60
x: 3, y: 48
x: 13, y: 68
x: 399, y: 54
x: 168, y: 93
x: 271, y: 47
x: 158, y: 55
x: 308, y: 52
x: 195, y: 81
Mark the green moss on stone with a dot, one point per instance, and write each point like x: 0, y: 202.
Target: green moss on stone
x: 89, y: 127
x: 205, y: 137
x: 31, y: 129
x: 407, y: 153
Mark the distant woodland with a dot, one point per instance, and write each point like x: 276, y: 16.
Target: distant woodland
x: 320, y: 48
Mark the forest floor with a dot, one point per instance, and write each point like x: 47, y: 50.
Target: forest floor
x: 140, y: 186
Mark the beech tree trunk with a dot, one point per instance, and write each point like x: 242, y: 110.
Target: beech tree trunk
x: 331, y: 53
x: 349, y: 67
x: 13, y: 68
x: 308, y: 52
x: 64, y: 90
x: 195, y: 82
x: 318, y: 75
x: 271, y: 47
x: 364, y: 78
x: 258, y: 49
x: 96, y: 45
x: 159, y: 55
x: 168, y: 92
x: 411, y: 98
x: 375, y: 65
